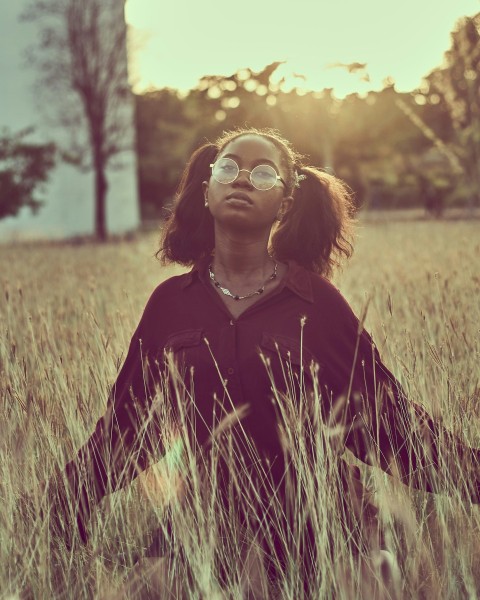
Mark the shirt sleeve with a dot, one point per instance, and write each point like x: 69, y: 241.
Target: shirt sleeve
x: 382, y: 427
x: 126, y: 438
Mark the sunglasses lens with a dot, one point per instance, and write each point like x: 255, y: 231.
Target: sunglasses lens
x: 225, y: 170
x: 264, y: 177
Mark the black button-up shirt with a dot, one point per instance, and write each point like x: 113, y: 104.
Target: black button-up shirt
x: 300, y: 337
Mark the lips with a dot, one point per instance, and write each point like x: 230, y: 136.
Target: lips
x: 239, y: 196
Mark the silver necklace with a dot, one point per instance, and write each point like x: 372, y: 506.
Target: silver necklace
x: 227, y: 292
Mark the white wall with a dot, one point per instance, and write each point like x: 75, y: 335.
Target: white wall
x: 69, y: 194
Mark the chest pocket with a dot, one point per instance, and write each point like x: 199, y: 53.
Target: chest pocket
x: 185, y: 349
x: 291, y: 369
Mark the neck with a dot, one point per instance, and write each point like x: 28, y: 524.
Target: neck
x: 240, y: 255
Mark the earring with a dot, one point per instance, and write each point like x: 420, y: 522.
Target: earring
x: 206, y: 202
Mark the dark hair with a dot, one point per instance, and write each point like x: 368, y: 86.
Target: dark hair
x: 315, y: 232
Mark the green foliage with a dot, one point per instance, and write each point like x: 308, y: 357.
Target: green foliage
x: 394, y: 149
x: 363, y: 140
x: 456, y: 87
x: 24, y: 167
x: 162, y: 122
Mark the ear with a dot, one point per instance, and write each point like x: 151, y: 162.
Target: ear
x: 205, y: 189
x: 284, y: 207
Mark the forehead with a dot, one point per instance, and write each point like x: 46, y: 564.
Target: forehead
x: 253, y: 147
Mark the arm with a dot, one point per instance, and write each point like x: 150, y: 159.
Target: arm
x: 383, y: 428
x: 123, y: 443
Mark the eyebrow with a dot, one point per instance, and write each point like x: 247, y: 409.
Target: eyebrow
x: 258, y: 161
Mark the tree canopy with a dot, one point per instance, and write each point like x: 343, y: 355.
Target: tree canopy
x: 24, y: 167
x: 394, y: 149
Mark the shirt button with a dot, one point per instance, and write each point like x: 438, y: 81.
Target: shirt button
x: 230, y: 371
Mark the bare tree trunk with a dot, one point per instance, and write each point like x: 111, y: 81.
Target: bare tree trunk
x: 101, y: 188
x: 96, y: 119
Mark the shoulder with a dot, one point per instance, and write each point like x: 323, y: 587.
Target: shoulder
x: 329, y: 309
x: 327, y: 296
x: 172, y: 284
x: 167, y: 291
x: 323, y: 297
x: 165, y: 300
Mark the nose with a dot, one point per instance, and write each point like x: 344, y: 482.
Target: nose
x: 243, y: 178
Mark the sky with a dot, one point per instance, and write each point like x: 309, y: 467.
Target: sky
x: 175, y: 43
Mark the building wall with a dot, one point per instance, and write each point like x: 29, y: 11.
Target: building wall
x: 69, y: 194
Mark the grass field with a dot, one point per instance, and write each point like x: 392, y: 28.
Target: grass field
x: 66, y: 316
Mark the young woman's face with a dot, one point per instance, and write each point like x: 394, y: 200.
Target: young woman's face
x: 239, y: 204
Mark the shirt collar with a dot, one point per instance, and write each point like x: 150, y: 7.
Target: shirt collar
x: 297, y: 279
x: 198, y: 271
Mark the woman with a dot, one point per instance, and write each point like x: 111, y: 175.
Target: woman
x: 254, y: 322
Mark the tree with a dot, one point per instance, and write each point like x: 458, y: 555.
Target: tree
x: 382, y: 145
x: 164, y: 131
x: 23, y: 168
x: 81, y: 60
x: 457, y: 86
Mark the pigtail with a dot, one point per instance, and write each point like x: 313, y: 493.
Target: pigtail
x: 188, y: 234
x: 316, y: 230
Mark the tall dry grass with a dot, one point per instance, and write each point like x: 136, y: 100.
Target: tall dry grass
x: 66, y: 316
